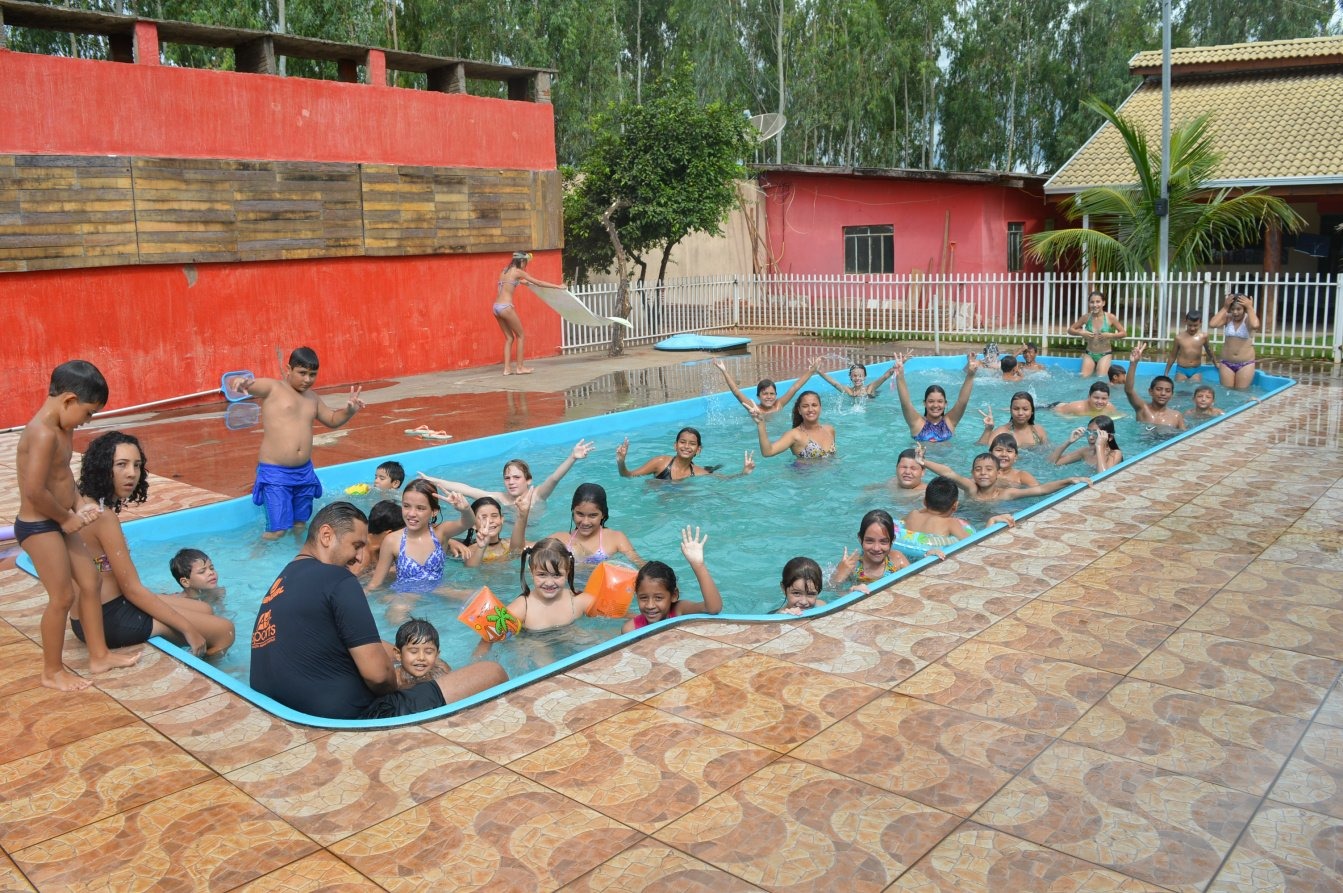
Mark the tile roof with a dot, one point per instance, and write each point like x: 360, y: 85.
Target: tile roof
x: 1266, y: 127
x: 1259, y: 51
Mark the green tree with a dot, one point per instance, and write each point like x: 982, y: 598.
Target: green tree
x: 1211, y: 22
x: 1202, y: 220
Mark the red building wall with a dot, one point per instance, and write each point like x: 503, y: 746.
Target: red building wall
x: 807, y: 214
x: 156, y: 334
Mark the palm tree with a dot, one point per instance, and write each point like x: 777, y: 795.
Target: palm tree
x: 1202, y: 220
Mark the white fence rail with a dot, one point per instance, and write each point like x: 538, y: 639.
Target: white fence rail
x: 1299, y: 313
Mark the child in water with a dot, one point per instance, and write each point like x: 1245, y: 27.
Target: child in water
x: 936, y: 523
x: 985, y: 483
x: 656, y: 591
x: 589, y: 539
x: 1102, y: 450
x: 417, y: 562
x: 483, y: 543
x: 195, y: 573
x: 417, y: 650
x: 1004, y: 449
x: 874, y: 558
x: 1204, y: 397
x: 548, y: 600
x: 801, y: 584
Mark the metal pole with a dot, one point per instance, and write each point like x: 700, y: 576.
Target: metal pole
x: 778, y: 49
x: 1163, y: 203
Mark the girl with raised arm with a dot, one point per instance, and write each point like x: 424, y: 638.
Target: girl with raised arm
x: 506, y: 315
x: 678, y: 466
x: 517, y: 481
x: 1020, y: 424
x: 767, y: 398
x: 1240, y: 322
x: 1102, y: 450
x: 808, y: 438
x: 858, y: 388
x: 936, y: 423
x: 1099, y: 329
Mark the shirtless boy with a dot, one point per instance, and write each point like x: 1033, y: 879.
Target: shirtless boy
x: 286, y: 483
x: 50, y: 513
x: 1096, y: 403
x: 1204, y: 398
x: 1158, y: 411
x: 1188, y: 349
x: 936, y: 523
x: 985, y: 484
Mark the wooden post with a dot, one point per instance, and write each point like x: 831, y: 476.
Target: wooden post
x: 255, y: 56
x: 146, y: 43
x: 1268, y: 309
x: 377, y: 68
x: 622, y: 276
x: 540, y: 87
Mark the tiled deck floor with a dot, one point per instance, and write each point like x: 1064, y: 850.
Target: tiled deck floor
x: 1137, y: 690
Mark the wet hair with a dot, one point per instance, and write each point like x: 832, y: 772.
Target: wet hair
x: 984, y: 457
x: 1117, y: 371
x: 549, y: 554
x: 95, y: 474
x: 593, y: 493
x: 1098, y: 386
x: 522, y: 467
x: 940, y: 495
x: 877, y: 516
x: 1030, y: 345
x: 1005, y: 440
x: 1166, y: 378
x: 81, y: 378
x: 797, y: 412
x: 395, y: 470
x: 858, y: 366
x: 933, y: 389
x: 477, y: 506
x: 1106, y: 424
x: 910, y: 453
x: 1205, y: 387
x: 420, y: 485
x: 1007, y: 363
x: 656, y: 570
x: 339, y: 516
x: 305, y: 357
x: 180, y: 564
x: 1029, y: 398
x: 1097, y: 293
x: 1192, y: 315
x: 764, y: 383
x: 385, y: 516
x: 695, y: 431
x: 414, y: 631
x: 804, y: 569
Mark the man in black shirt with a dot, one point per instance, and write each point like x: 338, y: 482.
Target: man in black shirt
x: 316, y: 648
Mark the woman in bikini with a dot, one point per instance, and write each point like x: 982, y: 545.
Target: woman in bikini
x: 506, y: 315
x: 676, y: 467
x: 1021, y: 423
x: 936, y: 423
x: 114, y: 473
x: 589, y: 539
x: 1099, y: 329
x: 808, y: 438
x: 1240, y: 322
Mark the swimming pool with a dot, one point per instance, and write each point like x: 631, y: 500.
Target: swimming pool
x: 755, y: 524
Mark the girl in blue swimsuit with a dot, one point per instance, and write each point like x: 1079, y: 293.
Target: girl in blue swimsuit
x: 936, y: 423
x: 419, y: 558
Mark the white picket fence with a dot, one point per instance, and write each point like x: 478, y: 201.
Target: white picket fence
x: 1299, y: 312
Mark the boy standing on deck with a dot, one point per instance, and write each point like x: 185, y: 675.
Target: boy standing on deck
x: 50, y: 514
x: 286, y: 483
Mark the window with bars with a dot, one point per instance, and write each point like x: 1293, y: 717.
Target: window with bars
x: 869, y: 249
x: 1016, y: 233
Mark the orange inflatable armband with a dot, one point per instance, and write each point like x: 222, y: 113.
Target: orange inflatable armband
x: 488, y: 617
x: 612, y: 589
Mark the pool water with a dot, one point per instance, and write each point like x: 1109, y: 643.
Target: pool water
x: 754, y: 523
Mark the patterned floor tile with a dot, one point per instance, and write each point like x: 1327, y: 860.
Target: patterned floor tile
x: 942, y: 605
x: 743, y: 635
x: 1224, y: 743
x: 765, y: 700
x: 347, y: 781
x: 9, y: 635
x: 500, y: 831
x: 858, y: 646
x: 319, y: 872
x: 650, y: 867
x: 1038, y: 572
x: 947, y: 759
x: 1332, y: 711
x: 1256, y: 675
x: 11, y: 879
x: 1152, y: 824
x: 793, y: 826
x: 155, y: 684
x: 969, y: 571
x: 528, y: 719
x: 1205, y: 517
x: 1153, y: 599
x: 975, y: 859
x: 1169, y: 566
x: 49, y: 793
x: 225, y: 732
x: 1043, y: 536
x: 37, y: 719
x: 1072, y: 517
x: 1307, y: 551
x: 643, y: 767
x: 1286, y: 848
x: 1015, y: 687
x: 1290, y: 582
x: 1277, y: 622
x: 655, y: 663
x: 1313, y: 777
x: 20, y: 666
x: 1103, y: 641
x: 208, y: 837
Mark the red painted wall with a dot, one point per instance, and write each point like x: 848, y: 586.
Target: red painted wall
x: 155, y: 335
x: 807, y: 214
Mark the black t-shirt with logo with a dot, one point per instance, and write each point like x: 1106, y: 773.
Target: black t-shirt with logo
x: 312, y: 616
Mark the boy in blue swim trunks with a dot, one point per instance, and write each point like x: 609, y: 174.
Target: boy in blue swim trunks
x: 1188, y: 349
x: 286, y: 483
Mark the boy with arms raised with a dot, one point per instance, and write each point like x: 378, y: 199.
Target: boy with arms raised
x: 286, y: 483
x: 50, y: 514
x: 1158, y: 411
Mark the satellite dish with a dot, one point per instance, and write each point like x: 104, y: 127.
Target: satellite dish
x: 768, y: 125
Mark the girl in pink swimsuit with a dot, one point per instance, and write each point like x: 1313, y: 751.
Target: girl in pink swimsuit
x: 660, y: 599
x: 506, y: 315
